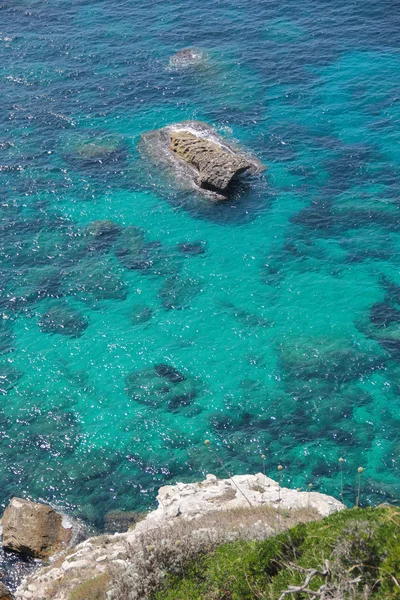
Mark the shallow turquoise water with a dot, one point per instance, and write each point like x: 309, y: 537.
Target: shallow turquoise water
x: 286, y: 327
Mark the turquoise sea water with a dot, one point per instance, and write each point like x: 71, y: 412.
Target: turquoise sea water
x: 284, y: 328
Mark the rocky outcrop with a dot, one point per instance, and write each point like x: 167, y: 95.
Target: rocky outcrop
x: 191, y: 500
x: 181, y: 505
x: 34, y: 529
x: 198, y: 156
x: 216, y: 166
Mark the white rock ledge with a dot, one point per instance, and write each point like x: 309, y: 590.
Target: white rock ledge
x: 183, y: 500
x: 191, y: 500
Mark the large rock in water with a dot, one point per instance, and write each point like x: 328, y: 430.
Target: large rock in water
x: 34, y: 529
x: 197, y: 154
x: 215, y: 165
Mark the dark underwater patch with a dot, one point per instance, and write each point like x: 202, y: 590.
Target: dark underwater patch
x: 169, y: 373
x: 136, y: 253
x: 64, y: 320
x: 383, y: 314
x: 141, y: 313
x: 6, y: 338
x: 161, y: 386
x: 9, y: 377
x: 177, y: 293
x: 192, y: 248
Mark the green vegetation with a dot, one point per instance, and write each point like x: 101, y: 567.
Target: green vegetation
x: 91, y: 589
x: 354, y: 554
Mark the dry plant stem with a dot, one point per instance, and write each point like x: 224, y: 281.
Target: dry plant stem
x: 324, y: 591
x: 255, y: 592
x: 279, y: 500
x: 359, y: 490
x: 230, y: 476
x: 341, y: 483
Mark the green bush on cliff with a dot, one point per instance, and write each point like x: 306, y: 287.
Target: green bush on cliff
x: 355, y: 553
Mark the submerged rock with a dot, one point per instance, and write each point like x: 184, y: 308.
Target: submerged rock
x: 192, y: 248
x: 198, y: 157
x: 6, y: 338
x: 161, y: 385
x: 64, y: 320
x: 245, y: 317
x: 188, y: 58
x: 34, y: 529
x: 141, y: 314
x: 135, y: 252
x: 103, y: 233
x: 9, y: 376
x: 93, y: 280
x: 177, y: 293
x: 382, y: 314
x: 170, y: 373
x: 327, y: 360
x: 97, y: 149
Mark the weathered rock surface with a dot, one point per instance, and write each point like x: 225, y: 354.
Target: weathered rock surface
x: 34, y: 529
x: 216, y: 166
x: 5, y: 594
x: 200, y: 156
x: 176, y: 504
x: 190, y: 500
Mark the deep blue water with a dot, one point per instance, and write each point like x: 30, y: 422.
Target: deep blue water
x: 286, y: 327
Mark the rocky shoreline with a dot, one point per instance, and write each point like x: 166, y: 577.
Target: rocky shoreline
x: 238, y: 503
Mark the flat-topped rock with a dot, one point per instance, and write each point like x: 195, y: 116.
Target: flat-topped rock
x: 191, y: 500
x: 215, y: 165
x: 198, y: 157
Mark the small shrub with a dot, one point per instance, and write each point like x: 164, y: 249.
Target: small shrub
x: 175, y: 551
x: 91, y: 589
x: 356, y: 553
